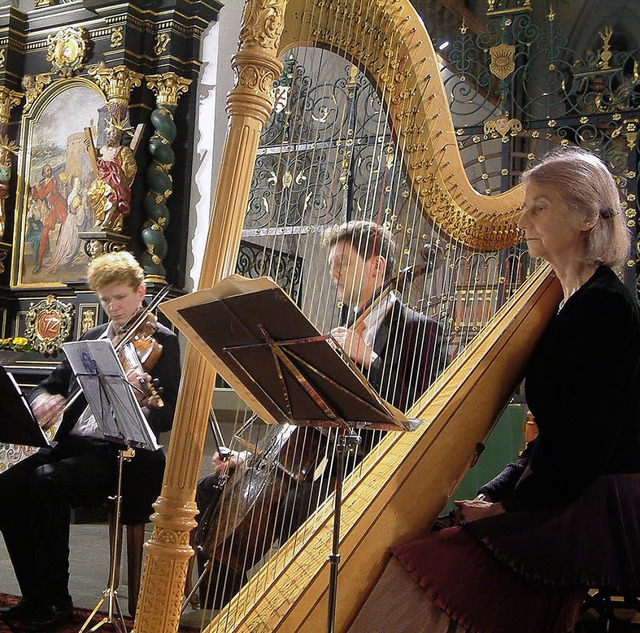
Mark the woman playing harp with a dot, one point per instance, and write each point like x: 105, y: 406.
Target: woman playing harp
x: 564, y: 517
x: 430, y: 202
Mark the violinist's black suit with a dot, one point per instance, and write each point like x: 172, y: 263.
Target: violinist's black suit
x: 37, y: 494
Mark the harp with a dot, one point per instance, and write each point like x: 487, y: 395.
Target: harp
x: 385, y: 39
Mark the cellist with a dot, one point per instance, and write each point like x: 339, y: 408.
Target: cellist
x: 399, y: 350
x: 80, y: 469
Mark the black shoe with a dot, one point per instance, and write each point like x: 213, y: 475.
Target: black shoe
x: 17, y: 612
x: 49, y: 617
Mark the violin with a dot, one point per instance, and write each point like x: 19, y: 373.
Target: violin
x: 138, y: 351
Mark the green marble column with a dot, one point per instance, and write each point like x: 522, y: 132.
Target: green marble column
x: 167, y: 88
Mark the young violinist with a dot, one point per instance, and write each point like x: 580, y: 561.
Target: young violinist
x: 80, y: 469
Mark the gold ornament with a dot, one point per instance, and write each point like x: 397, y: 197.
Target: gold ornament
x: 502, y: 64
x: 503, y: 125
x: 67, y: 50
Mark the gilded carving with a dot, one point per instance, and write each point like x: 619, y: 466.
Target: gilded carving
x: 3, y: 58
x: 606, y: 54
x: 48, y: 325
x: 68, y: 49
x: 116, y: 82
x: 502, y: 64
x: 33, y: 85
x: 99, y: 242
x: 88, y: 320
x: 7, y: 150
x: 503, y: 125
x: 4, y: 251
x: 629, y: 129
x: 262, y: 24
x: 168, y: 87
x: 116, y: 37
x: 162, y: 41
x: 8, y: 99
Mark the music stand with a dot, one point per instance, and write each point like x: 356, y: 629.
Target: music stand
x: 285, y: 370
x: 19, y: 425
x: 121, y: 420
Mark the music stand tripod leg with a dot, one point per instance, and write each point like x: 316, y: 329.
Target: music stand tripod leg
x: 110, y: 594
x: 347, y: 443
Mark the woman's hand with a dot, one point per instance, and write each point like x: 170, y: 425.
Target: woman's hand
x: 474, y: 509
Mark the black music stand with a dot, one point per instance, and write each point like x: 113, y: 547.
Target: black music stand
x: 19, y: 425
x: 285, y: 370
x: 121, y: 420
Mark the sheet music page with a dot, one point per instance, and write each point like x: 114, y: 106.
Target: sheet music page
x: 108, y: 393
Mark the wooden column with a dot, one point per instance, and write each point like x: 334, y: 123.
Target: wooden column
x: 249, y: 105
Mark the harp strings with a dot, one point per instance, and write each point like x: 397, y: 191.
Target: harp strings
x: 274, y: 246
x: 388, y: 199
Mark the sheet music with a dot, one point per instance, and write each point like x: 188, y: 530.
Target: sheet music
x: 111, y: 399
x: 277, y: 361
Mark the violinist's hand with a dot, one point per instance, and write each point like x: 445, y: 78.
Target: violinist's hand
x: 479, y: 508
x: 137, y: 379
x: 353, y: 344
x: 231, y: 462
x: 47, y: 408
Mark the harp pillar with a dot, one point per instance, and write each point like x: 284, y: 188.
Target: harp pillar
x: 249, y: 105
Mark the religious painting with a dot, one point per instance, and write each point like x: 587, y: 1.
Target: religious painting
x: 52, y: 204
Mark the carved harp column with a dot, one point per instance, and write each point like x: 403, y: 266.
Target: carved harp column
x: 249, y: 105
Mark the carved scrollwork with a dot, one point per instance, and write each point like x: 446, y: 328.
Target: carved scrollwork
x: 33, y: 85
x: 162, y: 42
x: 100, y: 242
x: 262, y: 24
x: 88, y: 320
x: 116, y: 37
x: 8, y: 99
x: 48, y: 325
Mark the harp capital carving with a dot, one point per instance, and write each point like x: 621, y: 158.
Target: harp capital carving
x: 262, y: 24
x: 255, y: 73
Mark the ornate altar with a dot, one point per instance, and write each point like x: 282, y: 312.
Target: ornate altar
x: 92, y: 99
x: 93, y: 96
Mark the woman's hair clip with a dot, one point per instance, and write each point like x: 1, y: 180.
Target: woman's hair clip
x: 607, y: 213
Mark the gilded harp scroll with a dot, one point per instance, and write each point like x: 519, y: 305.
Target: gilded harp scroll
x: 416, y: 185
